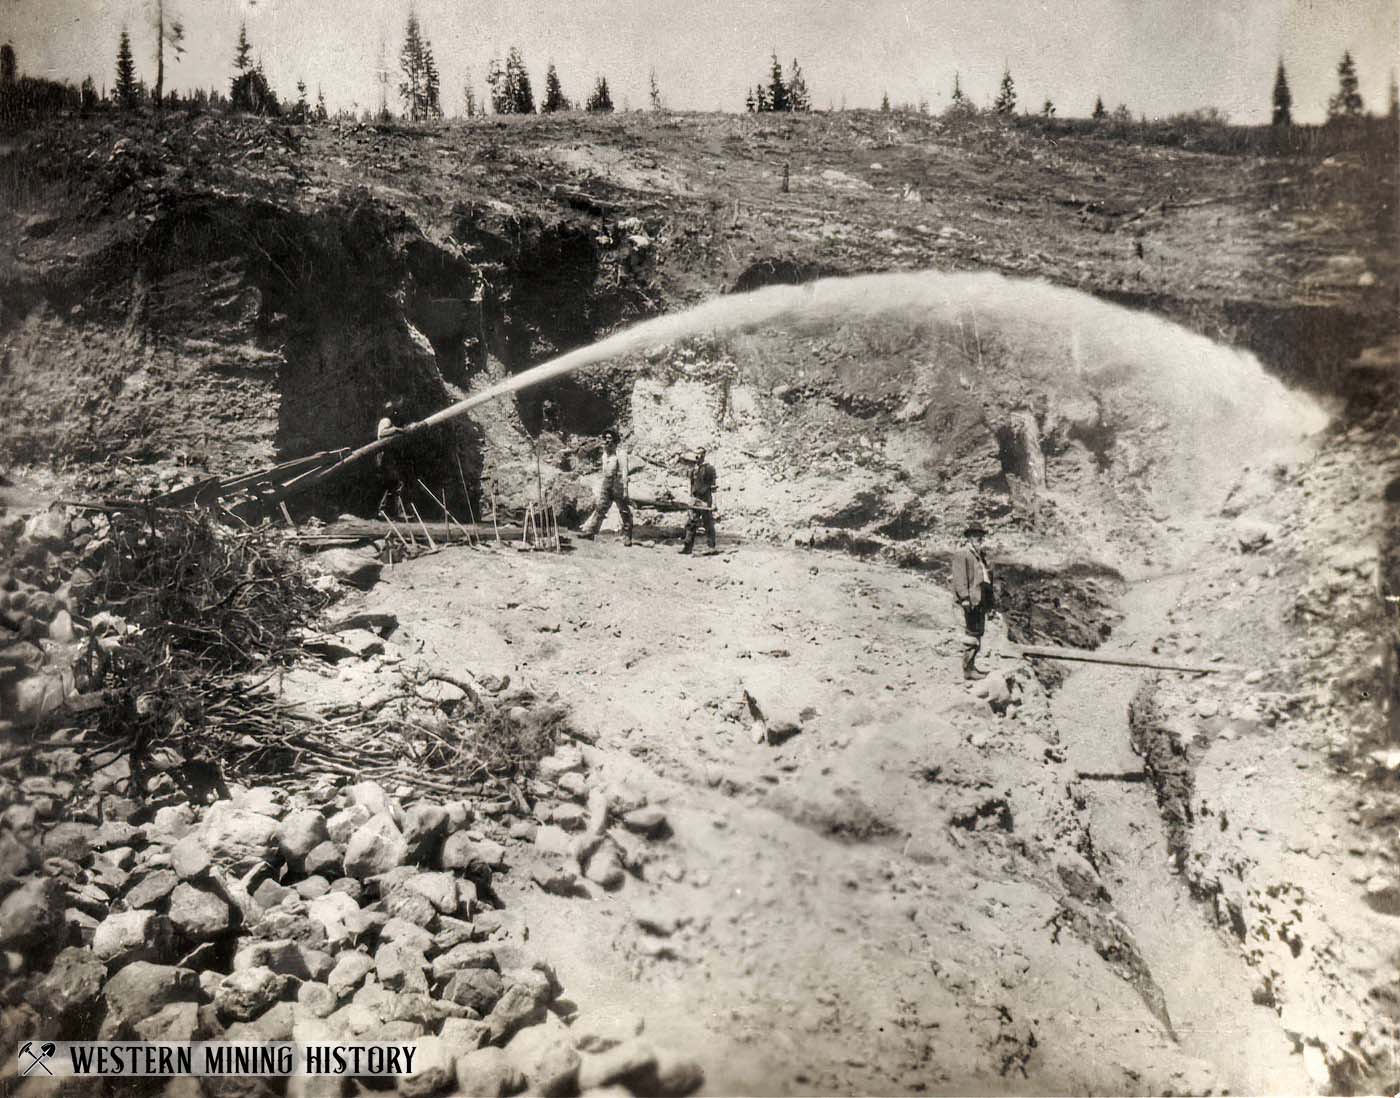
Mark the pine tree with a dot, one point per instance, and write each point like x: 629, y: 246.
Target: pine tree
x: 885, y: 102
x: 654, y: 90
x: 469, y: 105
x: 750, y: 103
x: 601, y: 99
x: 322, y: 115
x: 1100, y: 113
x: 303, y: 107
x: 778, y: 99
x: 496, y: 81
x: 798, y: 97
x: 241, y: 62
x: 1346, y: 104
x: 88, y: 94
x: 127, y: 95
x: 1047, y: 109
x: 411, y: 65
x: 8, y: 66
x: 521, y: 95
x: 432, y: 84
x: 1283, y: 98
x: 761, y: 101
x: 1005, y: 102
x: 958, y: 95
x: 554, y: 97
x: 1394, y: 112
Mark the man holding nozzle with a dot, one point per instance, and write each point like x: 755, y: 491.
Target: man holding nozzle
x: 703, y: 484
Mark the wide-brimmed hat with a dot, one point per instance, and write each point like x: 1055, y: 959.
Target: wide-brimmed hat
x: 973, y: 527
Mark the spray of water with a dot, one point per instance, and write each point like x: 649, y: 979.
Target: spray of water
x: 1055, y: 339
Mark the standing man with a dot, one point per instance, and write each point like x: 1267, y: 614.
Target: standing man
x: 612, y: 488
x: 972, y: 587
x: 703, y: 483
x: 391, y: 461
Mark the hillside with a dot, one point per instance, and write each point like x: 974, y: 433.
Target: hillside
x: 1166, y: 378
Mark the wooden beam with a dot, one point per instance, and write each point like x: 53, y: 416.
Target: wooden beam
x: 1082, y: 655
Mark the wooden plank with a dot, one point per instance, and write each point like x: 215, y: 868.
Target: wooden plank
x: 1082, y: 655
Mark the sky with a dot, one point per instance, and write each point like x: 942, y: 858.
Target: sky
x: 1156, y: 56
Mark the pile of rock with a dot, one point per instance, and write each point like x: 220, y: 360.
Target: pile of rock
x: 329, y: 914
x: 40, y: 631
x: 591, y: 838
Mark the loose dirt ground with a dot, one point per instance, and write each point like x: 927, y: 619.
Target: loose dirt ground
x: 894, y: 899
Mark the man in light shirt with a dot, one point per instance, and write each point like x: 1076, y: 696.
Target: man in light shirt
x: 392, y: 462
x: 972, y: 587
x: 612, y: 488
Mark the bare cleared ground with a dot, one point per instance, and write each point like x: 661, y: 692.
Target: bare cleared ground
x: 913, y: 893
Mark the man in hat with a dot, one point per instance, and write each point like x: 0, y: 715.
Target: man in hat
x: 972, y: 587
x: 612, y: 488
x: 703, y: 483
x: 391, y: 461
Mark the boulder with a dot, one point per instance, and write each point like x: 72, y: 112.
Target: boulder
x: 72, y: 841
x: 316, y: 999
x: 376, y: 847
x: 461, y: 852
x: 276, y: 1023
x: 238, y: 837
x: 172, y: 1022
x: 463, y: 955
x: 488, y: 1073
x: 439, y: 889
x: 189, y: 858
x: 477, y: 988
x: 171, y: 823
x: 350, y: 567
x: 343, y: 824
x: 324, y: 859
x: 554, y: 840
x: 424, y: 824
x: 139, y: 990
x: 433, y: 1070
x: 400, y: 968
x: 569, y: 816
x: 630, y: 1063
x: 32, y: 915
x: 200, y: 914
x: 350, y: 969
x: 410, y: 906
x: 245, y: 994
x: 68, y: 994
x: 522, y: 1002
x: 676, y: 1074
x: 605, y: 868
x: 546, y: 1057
x: 285, y: 957
x: 150, y: 889
x: 270, y: 894
x: 300, y: 833
x: 372, y: 797
x: 648, y: 821
x: 463, y: 1035
x: 127, y: 936
x: 312, y: 887
x: 407, y: 934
